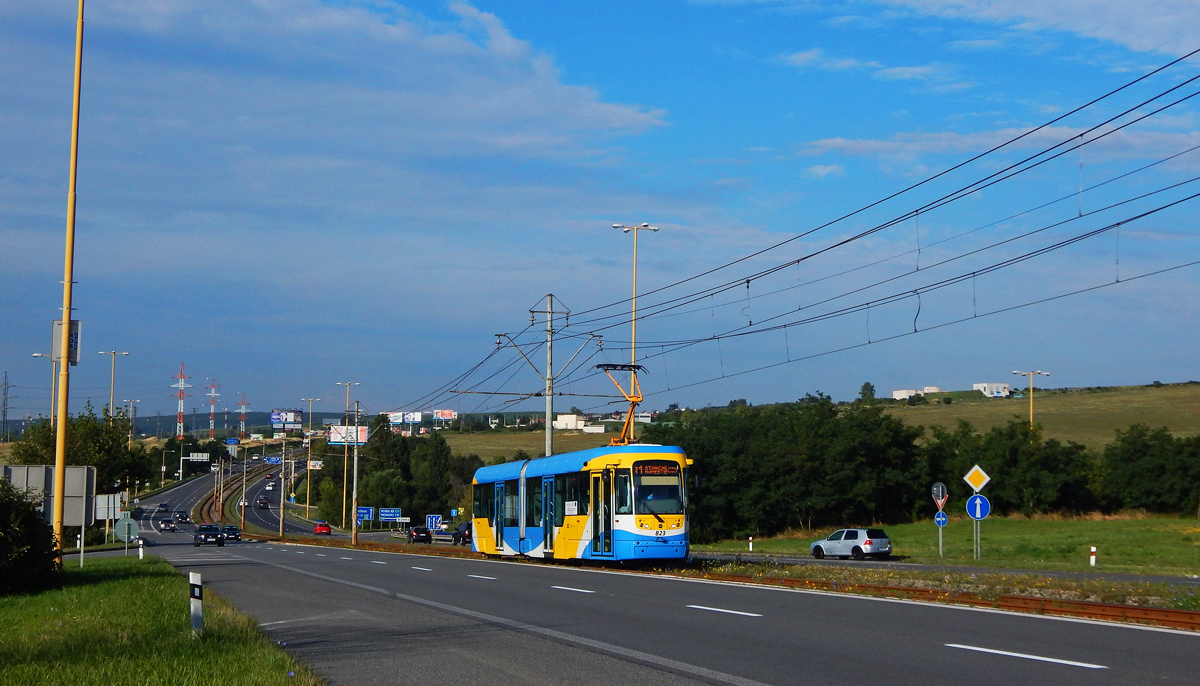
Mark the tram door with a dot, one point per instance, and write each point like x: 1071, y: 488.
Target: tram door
x: 498, y: 517
x: 602, y: 517
x: 548, y: 516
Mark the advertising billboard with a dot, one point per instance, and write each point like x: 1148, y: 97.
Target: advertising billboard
x: 341, y: 435
x: 395, y: 417
x: 445, y: 414
x: 316, y: 464
x: 289, y: 420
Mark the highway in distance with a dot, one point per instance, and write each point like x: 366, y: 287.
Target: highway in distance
x: 360, y: 617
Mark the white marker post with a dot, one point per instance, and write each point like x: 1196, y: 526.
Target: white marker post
x: 141, y: 548
x: 196, y: 593
x: 1093, y: 561
x: 751, y: 544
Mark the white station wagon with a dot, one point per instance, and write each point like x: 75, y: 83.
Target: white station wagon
x: 855, y: 543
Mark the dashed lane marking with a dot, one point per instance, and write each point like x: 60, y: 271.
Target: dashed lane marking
x: 423, y: 569
x: 1026, y: 656
x: 723, y: 610
x: 377, y: 562
x: 478, y: 576
x: 576, y: 590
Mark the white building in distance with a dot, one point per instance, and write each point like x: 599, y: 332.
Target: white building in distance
x: 992, y: 390
x: 909, y: 392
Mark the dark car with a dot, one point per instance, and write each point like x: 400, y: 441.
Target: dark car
x: 232, y: 533
x: 164, y: 507
x: 182, y: 517
x: 262, y: 504
x: 420, y: 534
x: 320, y: 527
x: 462, y: 535
x: 208, y: 533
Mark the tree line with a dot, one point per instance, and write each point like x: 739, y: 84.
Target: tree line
x: 813, y: 463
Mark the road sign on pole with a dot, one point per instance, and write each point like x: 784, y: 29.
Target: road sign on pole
x: 273, y: 459
x: 366, y: 513
x: 940, y: 519
x: 977, y: 478
x: 389, y: 514
x: 940, y: 496
x: 978, y: 507
x: 433, y: 522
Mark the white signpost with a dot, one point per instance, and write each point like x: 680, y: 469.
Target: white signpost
x: 940, y: 496
x: 976, y: 478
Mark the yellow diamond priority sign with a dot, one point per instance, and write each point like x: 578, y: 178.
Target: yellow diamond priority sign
x: 977, y: 478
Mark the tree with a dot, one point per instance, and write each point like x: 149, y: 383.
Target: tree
x: 867, y: 392
x: 28, y: 558
x: 100, y: 442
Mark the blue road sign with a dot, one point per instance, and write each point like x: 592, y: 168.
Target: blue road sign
x: 366, y: 513
x: 940, y: 518
x: 978, y: 507
x: 231, y: 441
x: 389, y: 514
x: 453, y: 513
x: 273, y: 459
x: 433, y: 521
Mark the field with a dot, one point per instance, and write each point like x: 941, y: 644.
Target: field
x: 1125, y: 543
x: 124, y: 621
x: 1089, y: 416
x: 494, y: 446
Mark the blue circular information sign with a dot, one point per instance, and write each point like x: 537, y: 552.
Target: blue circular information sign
x: 940, y: 518
x: 978, y: 507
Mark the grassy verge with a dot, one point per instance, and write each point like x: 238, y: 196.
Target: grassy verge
x: 1125, y: 543
x: 496, y: 445
x: 125, y: 621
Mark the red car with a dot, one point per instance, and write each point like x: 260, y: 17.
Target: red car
x: 322, y: 528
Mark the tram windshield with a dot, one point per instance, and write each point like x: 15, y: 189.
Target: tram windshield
x: 657, y: 487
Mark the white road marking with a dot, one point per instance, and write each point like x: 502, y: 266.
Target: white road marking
x: 377, y: 562
x: 728, y: 612
x: 347, y: 558
x: 423, y: 569
x: 477, y: 576
x: 568, y: 588
x: 320, y: 554
x: 299, y: 552
x: 1039, y: 658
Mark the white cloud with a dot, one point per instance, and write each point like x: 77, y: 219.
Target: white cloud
x: 820, y: 171
x: 816, y: 59
x: 937, y: 77
x: 1162, y: 26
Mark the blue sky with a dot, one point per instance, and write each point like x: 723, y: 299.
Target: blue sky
x: 283, y: 195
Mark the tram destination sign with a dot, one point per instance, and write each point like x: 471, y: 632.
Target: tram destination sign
x: 656, y: 468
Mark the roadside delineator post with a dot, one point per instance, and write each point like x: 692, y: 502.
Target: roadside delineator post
x: 1093, y: 560
x: 141, y: 548
x: 751, y: 544
x: 196, y: 594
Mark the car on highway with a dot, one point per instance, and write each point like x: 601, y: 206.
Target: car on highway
x: 208, y: 533
x: 270, y: 485
x: 855, y: 543
x: 166, y: 525
x: 420, y: 534
x: 232, y: 533
x: 182, y: 517
x: 262, y: 503
x: 268, y: 476
x: 320, y: 527
x: 164, y: 507
x: 462, y: 535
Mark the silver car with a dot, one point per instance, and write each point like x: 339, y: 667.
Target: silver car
x: 855, y: 543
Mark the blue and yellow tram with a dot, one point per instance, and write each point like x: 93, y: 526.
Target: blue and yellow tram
x: 616, y: 503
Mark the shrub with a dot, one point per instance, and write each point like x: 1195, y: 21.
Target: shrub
x: 28, y: 558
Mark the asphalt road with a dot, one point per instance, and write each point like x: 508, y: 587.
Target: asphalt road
x: 380, y: 618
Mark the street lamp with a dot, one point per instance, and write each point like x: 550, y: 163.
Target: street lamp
x: 634, y: 396
x: 112, y: 383
x: 53, y: 378
x: 307, y: 470
x: 132, y: 417
x: 346, y: 445
x: 1031, y: 375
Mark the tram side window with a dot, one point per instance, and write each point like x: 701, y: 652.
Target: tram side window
x: 485, y: 501
x: 560, y: 497
x: 512, y: 503
x: 533, y: 502
x: 571, y: 488
x: 622, y: 492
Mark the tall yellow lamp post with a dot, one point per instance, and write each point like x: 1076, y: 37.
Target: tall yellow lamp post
x: 308, y: 465
x: 1031, y: 375
x: 634, y: 396
x: 112, y: 383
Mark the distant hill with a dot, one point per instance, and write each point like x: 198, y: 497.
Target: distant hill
x: 1084, y: 415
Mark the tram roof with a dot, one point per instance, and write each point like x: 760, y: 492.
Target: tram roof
x: 564, y: 462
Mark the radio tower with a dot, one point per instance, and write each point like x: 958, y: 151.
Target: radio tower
x: 181, y: 395
x: 242, y: 417
x: 212, y: 408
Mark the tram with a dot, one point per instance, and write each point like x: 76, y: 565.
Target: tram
x: 615, y: 503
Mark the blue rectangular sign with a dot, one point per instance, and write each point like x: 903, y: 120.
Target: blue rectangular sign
x: 231, y: 441
x: 273, y: 459
x: 433, y: 522
x: 366, y: 513
x: 389, y: 514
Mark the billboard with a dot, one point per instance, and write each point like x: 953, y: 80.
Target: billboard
x: 341, y: 435
x: 395, y: 417
x: 316, y: 464
x: 404, y: 417
x: 445, y: 414
x: 289, y: 420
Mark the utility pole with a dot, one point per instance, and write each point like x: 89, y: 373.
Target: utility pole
x: 308, y: 464
x: 212, y: 409
x: 354, y: 510
x: 132, y: 418
x: 346, y: 452
x: 242, y: 417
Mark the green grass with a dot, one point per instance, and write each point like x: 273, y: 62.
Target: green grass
x: 492, y: 446
x: 1150, y: 545
x: 124, y: 621
x: 1089, y: 417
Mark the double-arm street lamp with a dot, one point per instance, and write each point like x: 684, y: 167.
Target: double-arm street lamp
x: 112, y: 383
x: 1031, y: 375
